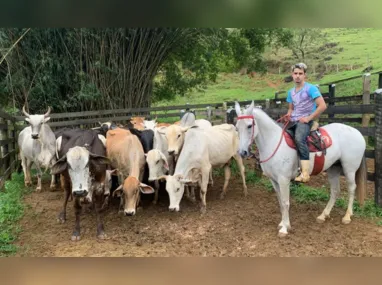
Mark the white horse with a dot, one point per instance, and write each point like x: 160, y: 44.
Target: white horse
x: 344, y: 155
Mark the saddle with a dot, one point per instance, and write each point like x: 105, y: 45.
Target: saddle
x: 318, y: 139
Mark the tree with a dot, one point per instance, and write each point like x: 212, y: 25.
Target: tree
x: 304, y: 42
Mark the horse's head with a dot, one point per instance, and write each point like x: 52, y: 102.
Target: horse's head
x: 246, y: 129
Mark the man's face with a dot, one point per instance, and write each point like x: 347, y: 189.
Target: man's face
x: 298, y: 75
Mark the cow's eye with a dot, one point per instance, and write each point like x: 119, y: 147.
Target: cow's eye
x: 157, y: 162
x: 250, y: 126
x: 178, y: 136
x: 177, y: 189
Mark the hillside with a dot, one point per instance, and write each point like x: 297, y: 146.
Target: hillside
x: 355, y: 50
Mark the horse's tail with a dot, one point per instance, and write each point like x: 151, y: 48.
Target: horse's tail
x: 361, y: 181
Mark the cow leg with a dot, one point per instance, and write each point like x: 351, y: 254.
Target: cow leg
x: 156, y: 182
x: 240, y: 164
x: 227, y: 176
x: 39, y: 175
x: 77, y: 230
x: 26, y: 170
x: 99, y: 208
x: 66, y: 186
x: 211, y: 181
x: 203, y: 188
x: 53, y: 183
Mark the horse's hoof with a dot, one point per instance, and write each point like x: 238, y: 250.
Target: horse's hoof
x: 320, y: 220
x: 282, y: 235
x: 75, y: 238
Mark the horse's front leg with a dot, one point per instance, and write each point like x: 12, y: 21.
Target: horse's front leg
x: 284, y: 203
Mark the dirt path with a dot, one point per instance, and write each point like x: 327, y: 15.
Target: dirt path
x: 236, y: 226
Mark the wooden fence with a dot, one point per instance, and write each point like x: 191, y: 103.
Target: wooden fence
x: 217, y: 113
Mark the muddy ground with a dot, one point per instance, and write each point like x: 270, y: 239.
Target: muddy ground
x: 235, y: 226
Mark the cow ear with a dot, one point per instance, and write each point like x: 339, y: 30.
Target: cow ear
x: 59, y: 166
x: 178, y: 177
x: 46, y: 119
x: 146, y: 189
x: 162, y: 177
x: 99, y: 159
x: 162, y: 130
x: 165, y: 163
x: 27, y: 119
x: 118, y: 192
x: 185, y: 180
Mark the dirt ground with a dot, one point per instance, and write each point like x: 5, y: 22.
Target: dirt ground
x: 235, y: 226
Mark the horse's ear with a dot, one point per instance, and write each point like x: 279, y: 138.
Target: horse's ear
x: 249, y: 111
x: 237, y: 108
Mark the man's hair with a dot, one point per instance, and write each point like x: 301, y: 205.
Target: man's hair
x: 300, y: 65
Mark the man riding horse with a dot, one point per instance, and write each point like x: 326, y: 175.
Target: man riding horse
x: 305, y: 105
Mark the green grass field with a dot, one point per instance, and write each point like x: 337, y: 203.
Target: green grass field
x: 361, y: 47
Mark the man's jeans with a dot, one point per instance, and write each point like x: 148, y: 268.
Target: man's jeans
x: 301, y: 132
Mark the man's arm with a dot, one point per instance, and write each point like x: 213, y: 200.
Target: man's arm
x: 321, y: 107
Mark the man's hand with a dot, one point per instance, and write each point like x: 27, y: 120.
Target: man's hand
x: 305, y: 120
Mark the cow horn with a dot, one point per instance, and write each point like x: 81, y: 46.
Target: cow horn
x: 25, y: 112
x: 48, y: 112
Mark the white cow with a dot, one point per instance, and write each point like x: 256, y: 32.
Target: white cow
x: 37, y: 144
x: 202, y: 150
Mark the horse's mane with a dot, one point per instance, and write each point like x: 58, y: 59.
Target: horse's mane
x: 260, y: 115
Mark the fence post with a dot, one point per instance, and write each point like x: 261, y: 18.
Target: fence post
x: 332, y: 95
x: 380, y: 80
x: 209, y: 111
x: 225, y: 112
x: 366, y: 101
x: 378, y: 147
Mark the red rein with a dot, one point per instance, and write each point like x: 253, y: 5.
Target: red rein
x: 253, y: 130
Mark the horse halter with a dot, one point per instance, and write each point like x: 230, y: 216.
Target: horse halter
x: 253, y: 125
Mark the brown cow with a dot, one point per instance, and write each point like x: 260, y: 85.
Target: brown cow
x: 138, y: 122
x: 126, y: 153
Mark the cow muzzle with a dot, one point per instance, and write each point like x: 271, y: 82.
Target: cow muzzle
x: 34, y: 136
x: 80, y: 193
x: 171, y: 152
x: 174, y: 209
x: 129, y: 212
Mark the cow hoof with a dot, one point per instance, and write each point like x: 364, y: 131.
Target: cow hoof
x: 282, y: 234
x: 320, y: 220
x: 222, y: 196
x: 75, y: 238
x: 203, y: 210
x: 155, y: 202
x: 38, y: 189
x: 102, y: 236
x: 61, y: 218
x: 346, y: 221
x: 52, y: 188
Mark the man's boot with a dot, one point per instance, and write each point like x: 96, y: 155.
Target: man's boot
x: 304, y: 176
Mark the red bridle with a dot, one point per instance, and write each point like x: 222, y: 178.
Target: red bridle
x: 253, y: 132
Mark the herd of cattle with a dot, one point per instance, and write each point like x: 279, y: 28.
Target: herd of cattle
x: 128, y: 161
